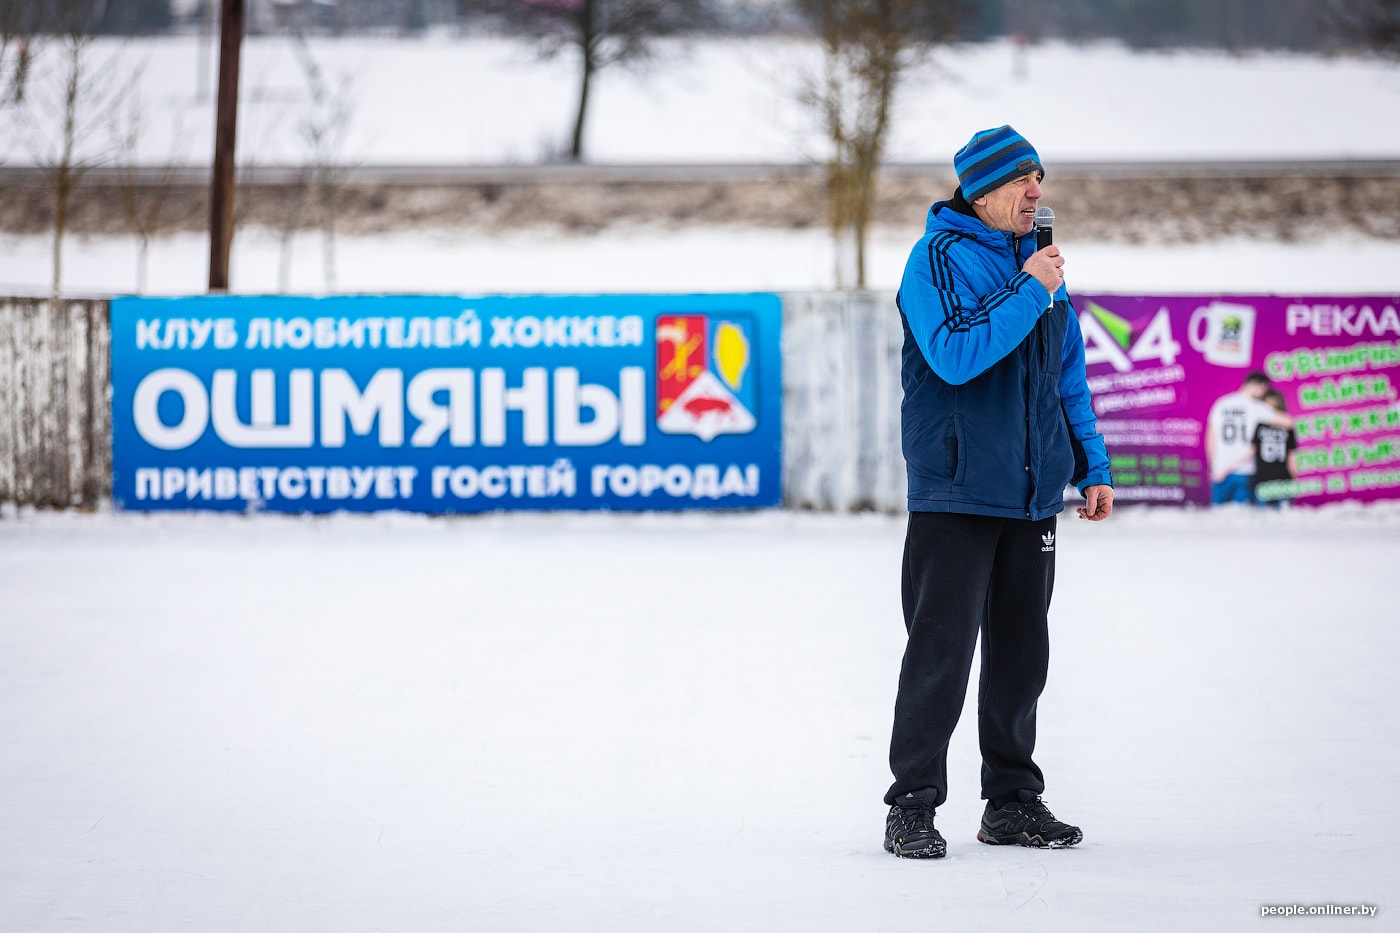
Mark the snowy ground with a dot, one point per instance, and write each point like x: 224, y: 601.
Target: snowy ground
x: 647, y: 722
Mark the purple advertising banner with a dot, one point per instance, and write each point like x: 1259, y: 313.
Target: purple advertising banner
x: 1267, y: 399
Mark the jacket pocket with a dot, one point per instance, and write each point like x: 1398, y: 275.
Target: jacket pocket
x: 956, y: 450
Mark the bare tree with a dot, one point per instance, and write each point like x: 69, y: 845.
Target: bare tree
x: 867, y: 46
x: 293, y: 211
x: 66, y: 117
x: 324, y: 128
x: 145, y: 192
x: 1370, y: 24
x: 18, y: 22
x: 603, y: 33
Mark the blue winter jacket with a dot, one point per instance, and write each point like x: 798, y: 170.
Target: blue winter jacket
x: 996, y: 413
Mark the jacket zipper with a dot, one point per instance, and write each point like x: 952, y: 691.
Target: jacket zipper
x: 1026, y: 387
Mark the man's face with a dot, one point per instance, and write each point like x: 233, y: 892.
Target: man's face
x: 1012, y: 206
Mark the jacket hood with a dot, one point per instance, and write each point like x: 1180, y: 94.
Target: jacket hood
x: 943, y: 216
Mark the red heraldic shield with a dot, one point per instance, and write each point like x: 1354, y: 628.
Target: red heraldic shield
x: 680, y: 356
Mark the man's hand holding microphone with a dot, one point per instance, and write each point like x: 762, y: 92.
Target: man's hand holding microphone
x: 1046, y: 265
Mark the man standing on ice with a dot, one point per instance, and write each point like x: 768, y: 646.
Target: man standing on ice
x: 996, y: 421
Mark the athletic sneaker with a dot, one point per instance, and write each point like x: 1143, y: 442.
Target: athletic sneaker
x: 1026, y: 823
x: 909, y: 833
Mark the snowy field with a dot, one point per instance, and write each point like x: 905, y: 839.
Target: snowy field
x: 646, y: 260
x: 718, y: 101
x: 646, y: 722
x: 445, y: 101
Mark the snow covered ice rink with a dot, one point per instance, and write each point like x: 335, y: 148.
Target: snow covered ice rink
x: 670, y: 722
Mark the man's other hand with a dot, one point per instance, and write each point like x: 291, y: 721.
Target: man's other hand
x: 1098, y: 503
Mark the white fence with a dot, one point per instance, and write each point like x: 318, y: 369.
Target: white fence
x: 55, y: 417
x: 841, y: 398
x: 840, y: 402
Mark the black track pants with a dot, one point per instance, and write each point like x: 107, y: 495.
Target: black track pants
x: 965, y: 574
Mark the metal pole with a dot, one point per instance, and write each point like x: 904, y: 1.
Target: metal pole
x: 226, y: 123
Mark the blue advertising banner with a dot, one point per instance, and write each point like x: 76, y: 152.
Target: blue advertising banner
x: 446, y: 404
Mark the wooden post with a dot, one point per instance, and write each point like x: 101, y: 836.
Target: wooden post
x: 222, y: 183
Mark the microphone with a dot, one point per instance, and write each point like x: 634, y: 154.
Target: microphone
x: 1044, y: 220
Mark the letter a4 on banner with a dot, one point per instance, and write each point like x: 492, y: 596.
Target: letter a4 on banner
x: 705, y: 379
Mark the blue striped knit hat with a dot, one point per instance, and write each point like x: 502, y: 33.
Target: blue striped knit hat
x: 991, y: 158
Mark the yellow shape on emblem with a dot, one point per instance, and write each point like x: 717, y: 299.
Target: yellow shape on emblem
x: 732, y: 354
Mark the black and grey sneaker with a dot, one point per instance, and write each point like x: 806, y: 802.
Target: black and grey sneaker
x: 1026, y: 823
x: 909, y: 833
